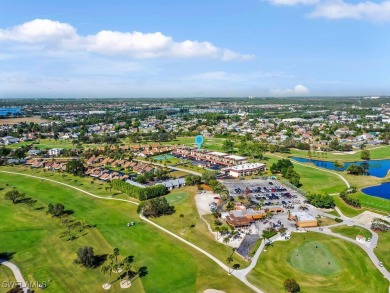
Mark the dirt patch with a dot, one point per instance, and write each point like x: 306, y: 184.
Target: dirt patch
x: 203, y: 201
x: 366, y: 217
x: 11, y: 121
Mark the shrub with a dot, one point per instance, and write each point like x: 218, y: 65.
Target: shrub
x: 138, y: 192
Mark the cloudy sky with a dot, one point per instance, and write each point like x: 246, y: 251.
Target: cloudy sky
x: 194, y: 48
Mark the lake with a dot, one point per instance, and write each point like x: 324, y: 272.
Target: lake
x: 382, y: 190
x: 377, y: 168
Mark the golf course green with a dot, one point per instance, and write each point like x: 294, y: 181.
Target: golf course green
x: 335, y: 266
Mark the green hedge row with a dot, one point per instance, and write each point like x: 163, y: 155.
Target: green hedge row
x: 139, y: 192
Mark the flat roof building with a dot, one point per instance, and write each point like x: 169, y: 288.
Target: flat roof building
x: 303, y: 219
x: 244, y: 169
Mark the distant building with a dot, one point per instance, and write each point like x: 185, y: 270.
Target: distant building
x: 361, y: 239
x: 244, y: 169
x: 10, y: 111
x: 55, y: 152
x: 303, y: 219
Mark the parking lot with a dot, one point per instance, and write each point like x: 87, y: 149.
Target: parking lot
x: 268, y: 193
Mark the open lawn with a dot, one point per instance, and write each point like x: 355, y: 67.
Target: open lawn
x: 6, y: 276
x: 334, y: 266
x: 43, y: 255
x: 346, y: 209
x: 313, y: 180
x: 209, y: 143
x: 88, y: 183
x: 351, y: 231
x: 184, y: 201
x: 382, y: 249
x: 381, y: 152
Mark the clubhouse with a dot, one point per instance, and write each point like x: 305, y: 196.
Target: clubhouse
x: 303, y: 219
x: 247, y: 169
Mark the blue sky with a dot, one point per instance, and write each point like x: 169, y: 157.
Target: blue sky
x: 194, y: 48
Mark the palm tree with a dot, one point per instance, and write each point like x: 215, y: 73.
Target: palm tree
x: 217, y: 229
x: 105, y: 270
x: 181, y: 221
x: 229, y: 260
x: 116, y: 254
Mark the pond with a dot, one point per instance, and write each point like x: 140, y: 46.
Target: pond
x: 377, y: 168
x: 382, y: 190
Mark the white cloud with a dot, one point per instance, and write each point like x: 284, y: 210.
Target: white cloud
x: 62, y: 36
x: 293, y: 2
x: 213, y: 75
x: 298, y: 90
x: 338, y: 9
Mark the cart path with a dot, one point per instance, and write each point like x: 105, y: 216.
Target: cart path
x: 17, y: 273
x: 217, y: 261
x: 321, y: 169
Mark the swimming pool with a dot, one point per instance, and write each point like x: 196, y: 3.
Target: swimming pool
x: 163, y: 157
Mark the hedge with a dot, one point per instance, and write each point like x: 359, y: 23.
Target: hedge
x: 138, y: 192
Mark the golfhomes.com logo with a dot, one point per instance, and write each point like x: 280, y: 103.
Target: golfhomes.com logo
x: 31, y: 285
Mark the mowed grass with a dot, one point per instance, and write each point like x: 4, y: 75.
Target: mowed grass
x: 352, y: 271
x: 382, y: 249
x: 313, y: 180
x: 184, y: 201
x: 346, y: 209
x: 6, y: 278
x: 382, y: 152
x: 42, y: 255
x: 351, y: 231
x: 325, y: 263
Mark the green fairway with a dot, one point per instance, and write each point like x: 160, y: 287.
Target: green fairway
x: 6, y: 278
x: 381, y: 152
x: 43, y: 255
x: 351, y: 231
x: 346, y: 209
x: 382, y: 249
x: 350, y: 269
x: 184, y: 201
x: 313, y: 180
x: 325, y: 263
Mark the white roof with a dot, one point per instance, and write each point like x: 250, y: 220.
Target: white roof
x: 248, y: 166
x: 303, y: 216
x: 217, y: 154
x: 235, y: 157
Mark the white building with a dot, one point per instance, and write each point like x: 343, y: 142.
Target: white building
x: 55, y: 152
x: 244, y: 169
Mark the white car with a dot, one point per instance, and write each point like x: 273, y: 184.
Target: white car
x: 380, y: 264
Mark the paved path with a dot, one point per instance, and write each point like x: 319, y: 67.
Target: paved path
x: 18, y: 275
x: 217, y: 261
x: 368, y: 250
x: 321, y: 169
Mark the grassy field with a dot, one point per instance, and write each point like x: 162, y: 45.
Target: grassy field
x: 313, y: 180
x: 34, y: 119
x: 346, y: 209
x: 382, y: 249
x: 97, y: 187
x: 42, y: 255
x: 7, y: 276
x: 184, y: 201
x: 351, y: 231
x: 209, y: 143
x: 334, y: 266
x: 382, y: 152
